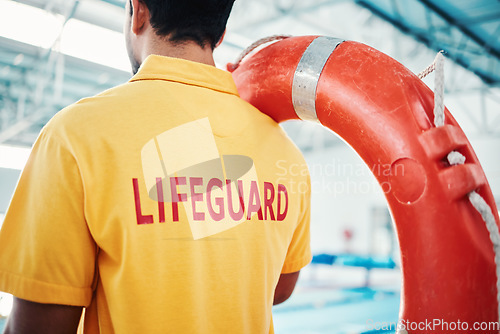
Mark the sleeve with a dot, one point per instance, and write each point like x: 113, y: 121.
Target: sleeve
x: 299, y: 252
x: 47, y: 254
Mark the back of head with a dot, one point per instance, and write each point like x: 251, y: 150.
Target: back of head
x: 201, y: 21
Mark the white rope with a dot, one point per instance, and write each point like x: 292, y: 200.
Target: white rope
x: 484, y: 209
x: 428, y: 70
x: 438, y: 66
x: 439, y: 90
x: 254, y: 46
x: 456, y: 158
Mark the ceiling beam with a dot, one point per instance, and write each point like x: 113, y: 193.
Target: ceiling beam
x: 299, y: 10
x: 430, y: 42
x: 480, y: 19
x: 103, y: 13
x: 19, y: 127
x: 460, y: 26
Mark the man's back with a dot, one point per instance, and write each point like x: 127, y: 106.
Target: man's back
x: 187, y: 201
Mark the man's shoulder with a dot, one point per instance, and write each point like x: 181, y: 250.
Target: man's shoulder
x: 274, y: 143
x: 111, y: 98
x: 95, y: 111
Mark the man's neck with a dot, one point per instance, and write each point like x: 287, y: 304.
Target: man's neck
x: 186, y: 50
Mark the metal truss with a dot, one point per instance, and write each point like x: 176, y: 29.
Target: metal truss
x: 46, y: 74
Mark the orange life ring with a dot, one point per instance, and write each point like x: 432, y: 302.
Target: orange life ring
x: 384, y: 112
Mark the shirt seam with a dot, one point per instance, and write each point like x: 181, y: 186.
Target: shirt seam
x: 217, y: 88
x: 298, y: 263
x: 20, y: 276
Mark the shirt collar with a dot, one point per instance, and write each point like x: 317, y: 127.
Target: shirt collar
x: 184, y: 71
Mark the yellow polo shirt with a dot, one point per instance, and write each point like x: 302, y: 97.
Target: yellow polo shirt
x: 164, y: 205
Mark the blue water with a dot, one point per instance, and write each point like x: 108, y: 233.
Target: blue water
x: 360, y: 310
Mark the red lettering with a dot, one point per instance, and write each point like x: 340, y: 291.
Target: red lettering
x: 196, y: 197
x: 254, y: 201
x: 161, y: 202
x: 282, y: 190
x: 216, y: 203
x: 141, y: 219
x: 236, y: 216
x: 268, y: 200
x: 176, y: 197
x: 219, y: 201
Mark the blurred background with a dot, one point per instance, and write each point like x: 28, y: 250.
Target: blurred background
x: 54, y: 52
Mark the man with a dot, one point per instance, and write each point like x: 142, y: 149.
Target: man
x: 164, y: 205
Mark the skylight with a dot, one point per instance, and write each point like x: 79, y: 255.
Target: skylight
x: 79, y: 39
x: 17, y: 21
x: 95, y: 44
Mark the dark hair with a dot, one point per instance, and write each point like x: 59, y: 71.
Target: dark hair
x: 201, y: 21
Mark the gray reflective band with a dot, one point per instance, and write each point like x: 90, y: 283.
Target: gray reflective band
x: 307, y: 75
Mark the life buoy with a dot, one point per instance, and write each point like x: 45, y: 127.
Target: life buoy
x: 384, y: 112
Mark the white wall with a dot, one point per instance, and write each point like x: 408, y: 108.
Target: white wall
x: 343, y: 193
x: 487, y: 149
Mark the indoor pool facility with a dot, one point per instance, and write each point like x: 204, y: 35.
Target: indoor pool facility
x: 249, y: 166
